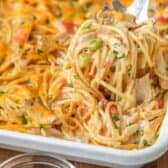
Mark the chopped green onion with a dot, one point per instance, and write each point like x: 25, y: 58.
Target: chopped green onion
x: 121, y: 56
x: 115, y: 117
x: 23, y: 120
x: 86, y: 28
x: 115, y: 53
x: 145, y: 143
x: 84, y: 60
x: 1, y: 92
x: 95, y: 44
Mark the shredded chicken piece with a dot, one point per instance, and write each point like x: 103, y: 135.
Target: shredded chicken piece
x: 144, y: 90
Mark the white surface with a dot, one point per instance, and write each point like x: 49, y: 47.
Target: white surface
x: 87, y: 153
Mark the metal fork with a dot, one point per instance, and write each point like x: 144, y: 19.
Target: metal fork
x: 139, y: 8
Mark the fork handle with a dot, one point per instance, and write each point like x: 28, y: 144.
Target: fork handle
x: 143, y: 15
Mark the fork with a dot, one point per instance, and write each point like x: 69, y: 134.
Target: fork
x: 139, y: 8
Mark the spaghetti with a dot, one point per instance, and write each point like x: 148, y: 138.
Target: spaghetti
x: 103, y: 83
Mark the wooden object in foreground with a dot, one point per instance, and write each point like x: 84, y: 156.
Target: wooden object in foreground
x: 161, y: 163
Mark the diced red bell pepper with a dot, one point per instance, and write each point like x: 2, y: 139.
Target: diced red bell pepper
x: 113, y: 109
x: 104, y: 102
x: 162, y: 19
x: 69, y: 26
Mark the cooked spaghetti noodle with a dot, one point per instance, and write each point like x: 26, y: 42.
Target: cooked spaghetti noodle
x: 104, y: 83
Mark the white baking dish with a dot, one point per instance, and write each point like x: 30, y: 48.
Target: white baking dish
x: 87, y: 153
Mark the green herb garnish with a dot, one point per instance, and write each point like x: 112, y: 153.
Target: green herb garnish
x: 115, y: 53
x: 95, y: 44
x: 24, y: 120
x: 115, y: 117
x: 145, y: 143
x: 121, y: 56
x: 87, y: 27
x: 118, y: 54
x: 115, y: 126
